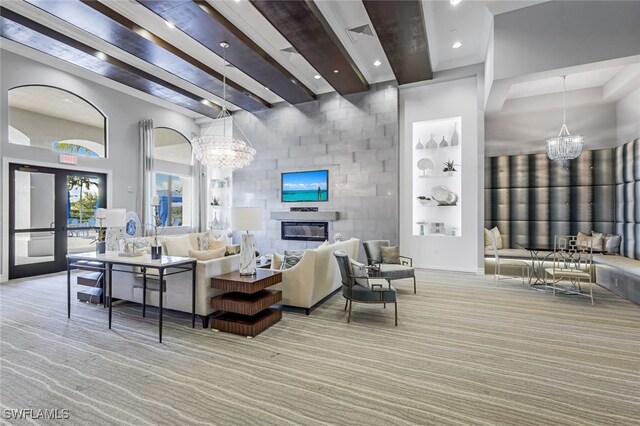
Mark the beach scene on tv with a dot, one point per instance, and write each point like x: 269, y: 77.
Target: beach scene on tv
x: 305, y: 186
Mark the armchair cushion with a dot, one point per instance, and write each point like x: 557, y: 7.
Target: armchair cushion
x: 393, y: 271
x: 390, y: 255
x: 361, y: 294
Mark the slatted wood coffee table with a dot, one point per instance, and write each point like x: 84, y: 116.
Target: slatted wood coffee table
x: 246, y: 309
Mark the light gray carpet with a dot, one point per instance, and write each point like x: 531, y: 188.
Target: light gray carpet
x: 466, y: 351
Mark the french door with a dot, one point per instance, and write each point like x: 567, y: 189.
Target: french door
x: 51, y: 213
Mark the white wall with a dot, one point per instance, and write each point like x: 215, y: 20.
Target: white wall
x: 429, y: 102
x: 123, y: 114
x: 560, y: 34
x: 628, y: 117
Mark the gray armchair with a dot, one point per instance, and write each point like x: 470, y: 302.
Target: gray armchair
x: 379, y: 290
x: 391, y: 271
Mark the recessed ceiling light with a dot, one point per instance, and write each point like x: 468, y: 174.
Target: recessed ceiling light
x: 377, y: 63
x: 169, y: 24
x: 317, y: 76
x: 101, y: 55
x: 335, y: 71
x: 454, y: 2
x: 456, y: 45
x: 266, y: 88
x: 204, y: 102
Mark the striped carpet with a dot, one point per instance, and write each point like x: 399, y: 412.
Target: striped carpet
x: 466, y: 351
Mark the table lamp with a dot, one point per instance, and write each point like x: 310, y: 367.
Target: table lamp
x: 108, y: 218
x: 247, y: 219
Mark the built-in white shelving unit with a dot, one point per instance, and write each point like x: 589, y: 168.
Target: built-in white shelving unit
x: 437, y: 201
x: 219, y: 201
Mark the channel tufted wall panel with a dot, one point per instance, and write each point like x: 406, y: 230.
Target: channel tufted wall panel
x: 531, y: 199
x: 627, y: 179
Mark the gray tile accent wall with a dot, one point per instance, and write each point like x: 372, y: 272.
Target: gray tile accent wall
x: 354, y: 137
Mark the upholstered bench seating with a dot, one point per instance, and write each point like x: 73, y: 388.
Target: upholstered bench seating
x: 619, y: 274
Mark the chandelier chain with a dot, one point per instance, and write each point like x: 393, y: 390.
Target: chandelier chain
x: 564, y: 146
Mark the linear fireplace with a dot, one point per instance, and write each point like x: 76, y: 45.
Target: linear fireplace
x: 305, y: 231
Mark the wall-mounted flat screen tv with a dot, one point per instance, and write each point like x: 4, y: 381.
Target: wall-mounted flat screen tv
x: 301, y: 187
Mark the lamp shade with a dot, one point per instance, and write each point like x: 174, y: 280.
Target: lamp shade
x: 112, y: 218
x: 246, y: 218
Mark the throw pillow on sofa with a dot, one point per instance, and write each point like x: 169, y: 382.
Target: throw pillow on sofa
x: 593, y: 241
x: 390, y: 255
x: 207, y: 254
x: 488, y: 240
x: 291, y: 258
x: 597, y: 238
x: 203, y: 242
x: 215, y: 243
x: 611, y: 243
x: 178, y: 246
x: 276, y: 261
x: 359, y: 270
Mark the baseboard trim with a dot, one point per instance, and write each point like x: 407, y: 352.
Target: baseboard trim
x: 447, y: 269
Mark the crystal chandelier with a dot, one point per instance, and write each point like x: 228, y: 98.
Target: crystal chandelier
x: 223, y: 151
x: 565, y: 146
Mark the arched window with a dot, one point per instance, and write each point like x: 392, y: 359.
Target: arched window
x: 55, y: 119
x: 173, y: 181
x: 170, y: 145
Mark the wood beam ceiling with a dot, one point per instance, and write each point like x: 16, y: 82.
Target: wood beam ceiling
x: 401, y: 30
x: 206, y: 25
x: 29, y: 33
x: 304, y: 26
x: 108, y: 25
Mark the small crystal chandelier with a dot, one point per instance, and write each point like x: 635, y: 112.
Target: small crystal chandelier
x: 223, y: 151
x: 565, y: 146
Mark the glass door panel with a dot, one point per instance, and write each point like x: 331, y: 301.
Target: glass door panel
x: 34, y: 247
x: 52, y: 211
x: 85, y: 193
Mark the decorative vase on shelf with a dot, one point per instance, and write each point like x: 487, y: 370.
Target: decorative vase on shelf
x: 455, y: 138
x: 419, y: 145
x: 443, y: 143
x: 431, y: 143
x: 215, y: 223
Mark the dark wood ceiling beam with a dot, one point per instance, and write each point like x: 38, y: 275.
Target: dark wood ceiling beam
x: 29, y: 33
x: 401, y: 31
x: 304, y: 26
x: 105, y: 23
x: 209, y: 27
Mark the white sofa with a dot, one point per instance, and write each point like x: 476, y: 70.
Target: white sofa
x: 128, y: 286
x: 316, y: 275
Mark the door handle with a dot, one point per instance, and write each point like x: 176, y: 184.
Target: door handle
x: 52, y: 225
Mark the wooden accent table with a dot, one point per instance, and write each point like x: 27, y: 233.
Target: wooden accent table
x: 245, y: 310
